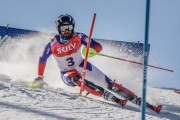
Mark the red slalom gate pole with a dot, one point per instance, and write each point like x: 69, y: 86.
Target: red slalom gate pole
x: 135, y: 62
x: 86, y: 56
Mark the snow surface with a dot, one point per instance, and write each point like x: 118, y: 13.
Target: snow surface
x: 21, y: 103
x: 18, y: 64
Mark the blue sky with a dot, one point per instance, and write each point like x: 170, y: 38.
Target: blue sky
x: 122, y: 20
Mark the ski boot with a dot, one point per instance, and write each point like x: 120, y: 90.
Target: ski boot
x: 137, y: 101
x: 122, y: 102
x: 157, y: 109
x: 110, y: 97
x: 121, y: 91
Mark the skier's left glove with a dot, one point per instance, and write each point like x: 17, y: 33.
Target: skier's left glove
x: 92, y: 52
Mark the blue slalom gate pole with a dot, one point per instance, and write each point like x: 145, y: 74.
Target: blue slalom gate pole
x: 145, y: 55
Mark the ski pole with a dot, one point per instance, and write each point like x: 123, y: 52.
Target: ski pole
x: 134, y: 62
x: 93, y: 52
x: 86, y: 56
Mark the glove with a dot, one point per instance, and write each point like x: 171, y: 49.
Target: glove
x: 92, y: 52
x: 38, y: 80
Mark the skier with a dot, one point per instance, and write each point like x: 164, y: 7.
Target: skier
x: 66, y: 49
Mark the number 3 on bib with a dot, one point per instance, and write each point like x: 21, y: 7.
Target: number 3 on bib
x: 70, y: 61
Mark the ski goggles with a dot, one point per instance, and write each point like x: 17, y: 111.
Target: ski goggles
x: 66, y: 27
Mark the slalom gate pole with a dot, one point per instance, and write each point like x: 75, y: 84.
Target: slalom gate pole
x: 86, y: 56
x: 145, y: 55
x: 134, y: 62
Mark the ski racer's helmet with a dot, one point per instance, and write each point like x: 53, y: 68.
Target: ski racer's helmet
x: 63, y: 23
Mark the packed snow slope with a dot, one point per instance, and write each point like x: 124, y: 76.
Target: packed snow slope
x: 18, y: 64
x: 21, y: 103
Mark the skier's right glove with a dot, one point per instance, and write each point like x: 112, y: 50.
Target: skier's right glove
x: 38, y: 80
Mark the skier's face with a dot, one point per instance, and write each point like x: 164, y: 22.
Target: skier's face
x: 66, y: 31
x: 66, y: 34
